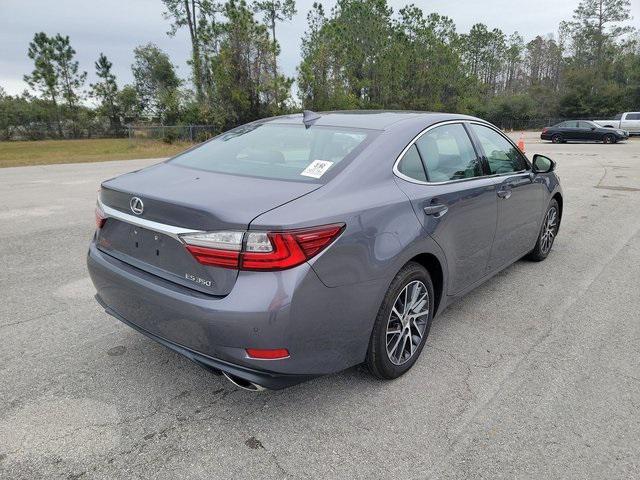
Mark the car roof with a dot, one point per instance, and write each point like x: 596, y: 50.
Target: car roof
x: 371, y: 119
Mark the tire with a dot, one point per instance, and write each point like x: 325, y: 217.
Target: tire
x: 609, y: 139
x: 544, y: 242
x: 380, y: 362
x: 557, y: 138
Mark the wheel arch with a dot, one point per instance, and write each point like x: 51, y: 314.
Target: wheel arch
x: 431, y: 263
x: 558, y: 198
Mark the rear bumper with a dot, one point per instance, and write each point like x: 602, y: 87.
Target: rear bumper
x: 323, y: 328
x: 266, y: 379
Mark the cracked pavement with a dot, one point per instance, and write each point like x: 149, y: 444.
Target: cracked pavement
x: 534, y: 374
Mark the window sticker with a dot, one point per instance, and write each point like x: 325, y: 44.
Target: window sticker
x: 317, y: 168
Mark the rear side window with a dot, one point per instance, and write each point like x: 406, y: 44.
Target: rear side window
x: 411, y: 165
x: 502, y: 155
x: 633, y: 116
x: 283, y: 152
x: 448, y: 154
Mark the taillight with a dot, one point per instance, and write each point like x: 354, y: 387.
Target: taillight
x: 100, y: 217
x: 260, y: 250
x: 219, y: 249
x: 544, y: 130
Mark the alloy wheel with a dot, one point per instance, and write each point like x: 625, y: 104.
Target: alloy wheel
x: 407, y: 322
x: 549, y: 230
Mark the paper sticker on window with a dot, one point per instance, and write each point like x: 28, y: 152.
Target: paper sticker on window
x: 317, y: 168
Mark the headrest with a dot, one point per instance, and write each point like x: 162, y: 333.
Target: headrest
x: 430, y: 152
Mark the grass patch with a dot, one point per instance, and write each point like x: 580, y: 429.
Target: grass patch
x: 45, y: 152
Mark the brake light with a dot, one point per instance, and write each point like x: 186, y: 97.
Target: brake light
x: 284, y: 253
x: 215, y: 257
x: 260, y: 250
x: 100, y: 218
x: 544, y: 130
x: 267, y: 354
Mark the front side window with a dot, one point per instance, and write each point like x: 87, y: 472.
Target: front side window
x: 278, y: 151
x: 632, y: 116
x: 585, y: 125
x: 448, y: 154
x: 502, y: 155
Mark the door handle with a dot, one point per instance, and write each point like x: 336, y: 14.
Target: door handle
x: 506, y: 193
x: 436, y: 210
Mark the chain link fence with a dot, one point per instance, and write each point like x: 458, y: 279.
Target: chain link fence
x: 64, y: 130
x: 532, y: 123
x: 172, y: 133
x: 97, y: 129
x: 198, y: 133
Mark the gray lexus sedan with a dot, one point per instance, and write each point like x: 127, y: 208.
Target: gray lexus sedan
x: 301, y: 245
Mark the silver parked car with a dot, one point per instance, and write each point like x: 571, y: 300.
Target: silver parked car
x: 301, y: 245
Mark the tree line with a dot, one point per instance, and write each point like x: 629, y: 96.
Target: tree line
x: 359, y: 55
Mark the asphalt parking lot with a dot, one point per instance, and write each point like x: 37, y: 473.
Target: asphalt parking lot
x: 535, y: 374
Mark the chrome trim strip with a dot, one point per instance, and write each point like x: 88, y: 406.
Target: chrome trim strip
x: 397, y: 173
x: 169, y: 230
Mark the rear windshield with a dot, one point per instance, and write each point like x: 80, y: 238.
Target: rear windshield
x: 284, y: 152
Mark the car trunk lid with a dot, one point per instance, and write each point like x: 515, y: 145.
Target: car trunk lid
x: 177, y: 199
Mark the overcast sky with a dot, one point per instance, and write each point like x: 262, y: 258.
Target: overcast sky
x: 115, y: 27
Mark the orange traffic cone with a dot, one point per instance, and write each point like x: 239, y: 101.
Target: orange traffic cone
x: 521, y: 142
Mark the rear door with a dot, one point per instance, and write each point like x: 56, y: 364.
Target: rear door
x: 570, y: 130
x: 519, y: 192
x: 443, y: 176
x: 587, y: 131
x: 580, y: 131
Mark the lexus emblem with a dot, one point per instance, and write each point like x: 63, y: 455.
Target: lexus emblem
x: 136, y: 205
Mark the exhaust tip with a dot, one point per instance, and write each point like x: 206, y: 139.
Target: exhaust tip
x: 242, y: 383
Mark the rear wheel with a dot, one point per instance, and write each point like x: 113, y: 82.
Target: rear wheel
x: 608, y: 138
x: 556, y: 138
x: 402, y: 324
x: 547, y: 233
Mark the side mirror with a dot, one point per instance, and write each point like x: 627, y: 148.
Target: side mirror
x: 542, y: 164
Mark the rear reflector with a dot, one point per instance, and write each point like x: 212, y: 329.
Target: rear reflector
x: 260, y: 250
x: 100, y: 217
x: 268, y: 354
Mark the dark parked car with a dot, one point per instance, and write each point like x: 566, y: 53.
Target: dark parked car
x: 582, y: 131
x: 299, y: 245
